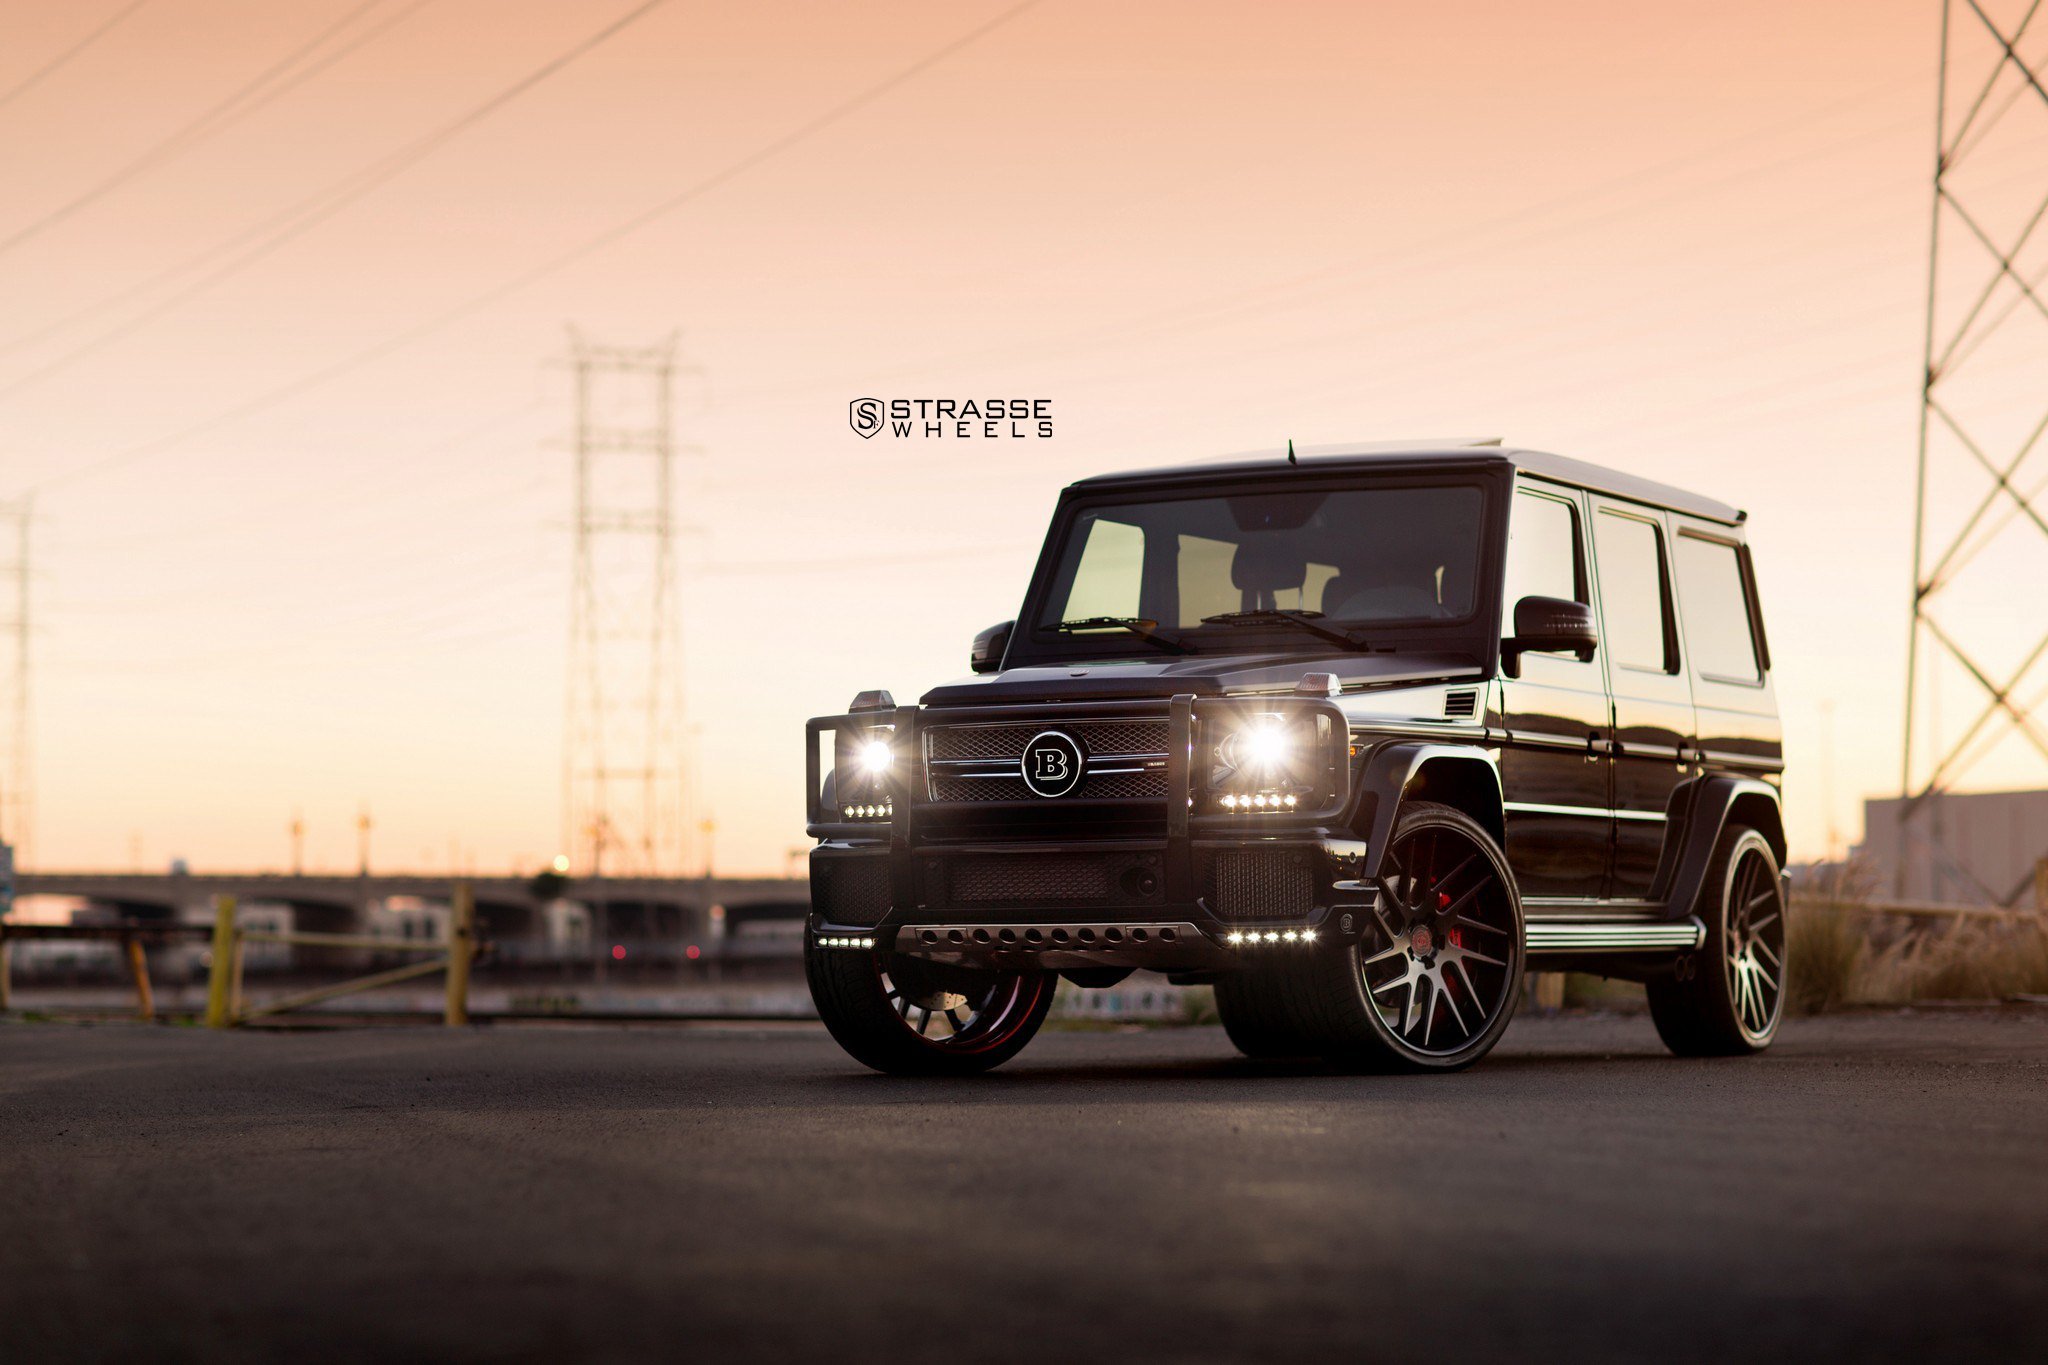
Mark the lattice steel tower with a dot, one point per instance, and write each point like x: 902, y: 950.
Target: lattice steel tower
x: 17, y: 772
x: 623, y: 769
x: 1974, y: 693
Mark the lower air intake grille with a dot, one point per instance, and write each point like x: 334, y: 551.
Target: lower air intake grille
x: 1264, y: 884
x: 1026, y: 880
x: 852, y: 891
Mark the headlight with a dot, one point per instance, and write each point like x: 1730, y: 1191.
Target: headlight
x: 863, y: 764
x: 1262, y: 746
x: 1271, y: 763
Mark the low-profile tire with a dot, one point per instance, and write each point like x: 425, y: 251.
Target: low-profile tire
x: 908, y: 1017
x: 1256, y: 1007
x: 1726, y: 999
x: 1432, y: 983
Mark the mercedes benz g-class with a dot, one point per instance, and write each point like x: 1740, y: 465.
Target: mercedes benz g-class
x: 1356, y: 738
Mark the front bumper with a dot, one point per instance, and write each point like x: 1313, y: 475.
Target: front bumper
x: 1194, y: 892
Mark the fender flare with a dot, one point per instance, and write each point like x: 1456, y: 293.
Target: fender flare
x: 1388, y: 771
x: 1712, y: 804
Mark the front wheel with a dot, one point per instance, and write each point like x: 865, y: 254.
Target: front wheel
x: 1432, y: 983
x: 909, y: 1017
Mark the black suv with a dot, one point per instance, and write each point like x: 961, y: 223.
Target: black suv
x: 1355, y: 738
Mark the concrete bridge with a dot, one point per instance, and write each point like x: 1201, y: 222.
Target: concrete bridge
x: 507, y: 909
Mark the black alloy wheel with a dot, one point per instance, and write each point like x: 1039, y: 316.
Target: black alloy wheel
x: 1430, y: 984
x: 1441, y: 963
x: 908, y: 1016
x: 1727, y: 999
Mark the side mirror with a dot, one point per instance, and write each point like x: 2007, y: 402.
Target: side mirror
x: 989, y: 648
x: 1552, y: 625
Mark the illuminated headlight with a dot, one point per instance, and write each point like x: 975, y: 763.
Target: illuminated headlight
x: 1272, y: 764
x: 1261, y: 746
x: 876, y: 757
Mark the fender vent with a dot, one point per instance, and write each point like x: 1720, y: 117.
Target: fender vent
x: 1461, y: 704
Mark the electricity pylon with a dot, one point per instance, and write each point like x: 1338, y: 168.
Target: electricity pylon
x: 1980, y: 539
x: 17, y: 772
x: 623, y: 769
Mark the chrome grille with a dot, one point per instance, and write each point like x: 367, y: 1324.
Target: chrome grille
x: 1007, y: 740
x: 979, y: 762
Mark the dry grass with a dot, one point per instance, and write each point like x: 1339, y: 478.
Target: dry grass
x: 1842, y: 955
x: 1970, y: 961
x: 1825, y: 950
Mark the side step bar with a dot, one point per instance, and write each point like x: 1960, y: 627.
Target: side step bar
x: 1613, y: 936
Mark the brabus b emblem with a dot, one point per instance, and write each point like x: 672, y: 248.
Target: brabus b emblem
x: 864, y: 415
x: 1052, y: 763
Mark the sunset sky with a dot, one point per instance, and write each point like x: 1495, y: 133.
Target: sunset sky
x: 301, y: 537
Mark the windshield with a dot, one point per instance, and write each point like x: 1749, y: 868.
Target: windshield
x: 1342, y: 557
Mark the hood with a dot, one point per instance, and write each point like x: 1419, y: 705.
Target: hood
x: 1202, y: 675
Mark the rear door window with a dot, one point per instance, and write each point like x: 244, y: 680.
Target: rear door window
x: 1718, y: 616
x: 1635, y: 593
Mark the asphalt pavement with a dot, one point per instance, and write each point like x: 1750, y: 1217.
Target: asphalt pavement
x: 1876, y: 1188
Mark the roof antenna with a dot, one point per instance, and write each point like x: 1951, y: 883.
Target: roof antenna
x: 1290, y: 451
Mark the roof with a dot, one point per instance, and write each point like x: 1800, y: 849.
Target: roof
x: 1462, y: 454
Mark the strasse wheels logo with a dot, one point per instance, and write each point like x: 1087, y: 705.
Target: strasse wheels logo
x: 1053, y: 763
x: 963, y: 419
x: 865, y: 415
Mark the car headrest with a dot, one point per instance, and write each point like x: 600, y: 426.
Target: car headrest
x: 1267, y: 564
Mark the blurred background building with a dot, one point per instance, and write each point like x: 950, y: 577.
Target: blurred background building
x: 1962, y: 848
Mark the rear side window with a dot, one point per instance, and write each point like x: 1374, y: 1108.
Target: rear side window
x: 1635, y: 593
x: 1544, y: 559
x: 1717, y: 615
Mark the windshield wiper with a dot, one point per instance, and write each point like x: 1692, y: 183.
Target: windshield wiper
x: 1271, y: 615
x: 1136, y: 625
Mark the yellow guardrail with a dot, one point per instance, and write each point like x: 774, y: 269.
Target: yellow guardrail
x: 225, y: 1006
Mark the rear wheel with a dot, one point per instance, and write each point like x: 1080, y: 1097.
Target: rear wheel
x: 910, y: 1017
x: 1726, y: 999
x: 1432, y: 983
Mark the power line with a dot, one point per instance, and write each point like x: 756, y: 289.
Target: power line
x: 317, y: 208
x: 216, y: 118
x: 370, y: 354
x: 120, y: 296
x: 57, y: 62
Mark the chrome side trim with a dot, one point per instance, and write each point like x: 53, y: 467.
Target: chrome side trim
x: 1608, y: 936
x: 1602, y: 812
